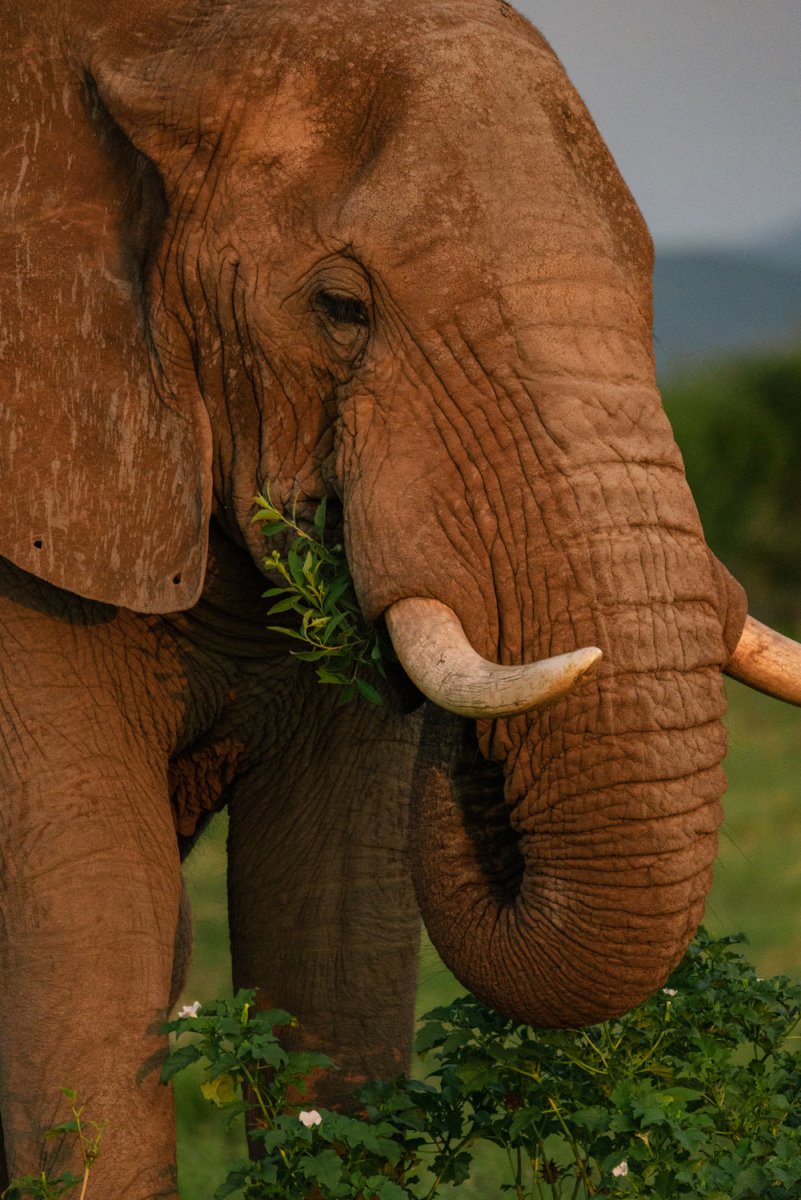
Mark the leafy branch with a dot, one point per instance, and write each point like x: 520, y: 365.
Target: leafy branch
x: 299, y: 1150
x: 316, y: 585
x: 88, y: 1135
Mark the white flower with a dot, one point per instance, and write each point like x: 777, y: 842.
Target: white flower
x: 669, y: 992
x: 312, y: 1117
x: 190, y: 1010
x: 620, y: 1169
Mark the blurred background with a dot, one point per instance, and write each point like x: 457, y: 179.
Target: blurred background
x: 701, y: 106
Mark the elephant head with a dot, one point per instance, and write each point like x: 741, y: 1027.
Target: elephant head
x: 382, y: 255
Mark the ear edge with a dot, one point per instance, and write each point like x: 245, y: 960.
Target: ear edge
x: 174, y: 593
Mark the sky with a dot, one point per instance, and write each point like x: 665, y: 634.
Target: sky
x: 700, y: 103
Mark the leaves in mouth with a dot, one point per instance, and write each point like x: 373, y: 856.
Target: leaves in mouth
x: 316, y: 585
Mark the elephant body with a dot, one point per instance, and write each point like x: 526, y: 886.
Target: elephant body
x: 184, y: 713
x: 381, y: 257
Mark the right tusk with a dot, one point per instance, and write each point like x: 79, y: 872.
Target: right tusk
x: 768, y: 662
x: 433, y: 649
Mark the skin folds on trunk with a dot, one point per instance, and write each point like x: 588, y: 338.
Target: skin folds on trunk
x: 561, y: 858
x: 545, y: 502
x: 568, y: 896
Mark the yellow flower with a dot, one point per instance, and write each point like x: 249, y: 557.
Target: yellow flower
x: 221, y: 1090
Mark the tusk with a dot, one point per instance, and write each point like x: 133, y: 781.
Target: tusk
x: 433, y: 649
x: 768, y: 662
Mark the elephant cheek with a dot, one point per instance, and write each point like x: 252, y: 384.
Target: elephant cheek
x: 566, y: 913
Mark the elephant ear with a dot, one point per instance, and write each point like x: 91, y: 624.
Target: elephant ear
x: 105, y: 446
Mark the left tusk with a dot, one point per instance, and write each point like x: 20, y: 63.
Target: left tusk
x: 433, y: 650
x: 768, y: 662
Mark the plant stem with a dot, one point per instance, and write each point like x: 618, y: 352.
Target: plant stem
x: 268, y: 1117
x: 579, y: 1182
x: 452, y: 1154
x: 573, y: 1145
x: 85, y: 1182
x: 519, y: 1175
x: 76, y: 1112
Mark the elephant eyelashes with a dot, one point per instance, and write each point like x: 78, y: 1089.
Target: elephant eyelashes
x: 345, y: 319
x: 341, y: 310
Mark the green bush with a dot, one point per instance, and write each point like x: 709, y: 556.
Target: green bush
x: 739, y: 429
x: 691, y: 1095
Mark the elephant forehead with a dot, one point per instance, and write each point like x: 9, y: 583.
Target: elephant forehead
x: 412, y: 122
x: 367, y: 86
x: 484, y: 146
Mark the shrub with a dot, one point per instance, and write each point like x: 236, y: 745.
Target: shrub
x: 739, y: 428
x: 691, y: 1095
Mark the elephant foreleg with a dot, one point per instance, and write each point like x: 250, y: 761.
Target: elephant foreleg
x: 323, y: 917
x: 88, y: 912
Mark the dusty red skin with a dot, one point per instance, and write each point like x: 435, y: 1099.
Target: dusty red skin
x: 378, y: 253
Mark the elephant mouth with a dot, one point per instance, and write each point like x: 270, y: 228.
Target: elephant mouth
x: 479, y: 792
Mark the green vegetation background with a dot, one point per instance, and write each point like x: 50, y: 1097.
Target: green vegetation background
x: 739, y: 427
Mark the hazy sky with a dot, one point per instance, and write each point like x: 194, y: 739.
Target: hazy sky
x: 699, y: 101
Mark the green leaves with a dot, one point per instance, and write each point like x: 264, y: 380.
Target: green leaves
x: 78, y: 1130
x: 316, y: 586
x: 693, y: 1094
x: 299, y: 1148
x: 728, y: 417
x: 41, y: 1187
x: 689, y: 1095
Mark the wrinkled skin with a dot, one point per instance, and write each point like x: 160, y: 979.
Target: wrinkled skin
x: 380, y: 255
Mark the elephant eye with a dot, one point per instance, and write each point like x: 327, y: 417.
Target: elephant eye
x: 344, y: 320
x: 341, y: 310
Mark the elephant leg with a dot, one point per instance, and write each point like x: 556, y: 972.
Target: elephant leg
x: 182, y: 951
x: 322, y: 912
x: 89, y: 900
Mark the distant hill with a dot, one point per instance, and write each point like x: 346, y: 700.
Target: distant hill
x: 786, y: 247
x: 710, y: 304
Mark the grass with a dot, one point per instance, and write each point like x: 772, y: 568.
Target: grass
x: 205, y: 1144
x: 757, y: 885
x: 757, y: 890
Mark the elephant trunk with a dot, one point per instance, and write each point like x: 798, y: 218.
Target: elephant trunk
x: 562, y: 858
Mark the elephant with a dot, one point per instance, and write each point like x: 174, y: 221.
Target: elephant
x: 378, y: 255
